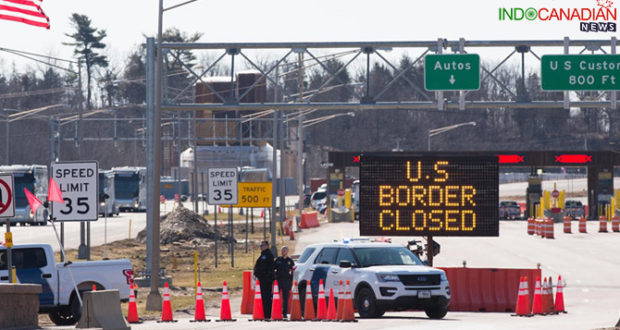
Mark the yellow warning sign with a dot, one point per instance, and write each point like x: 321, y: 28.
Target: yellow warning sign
x: 254, y: 194
x: 8, y: 239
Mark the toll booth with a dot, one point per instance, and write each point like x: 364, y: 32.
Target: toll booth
x: 533, y: 195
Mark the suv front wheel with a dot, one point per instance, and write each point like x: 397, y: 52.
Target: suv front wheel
x: 367, y: 304
x: 436, y: 312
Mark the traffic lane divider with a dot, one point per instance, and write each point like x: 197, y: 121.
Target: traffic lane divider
x: 487, y: 289
x: 309, y: 220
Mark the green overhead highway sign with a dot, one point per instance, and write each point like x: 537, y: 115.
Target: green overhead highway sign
x: 452, y: 72
x: 580, y: 72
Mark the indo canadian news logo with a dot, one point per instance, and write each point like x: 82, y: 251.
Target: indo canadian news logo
x: 601, y: 17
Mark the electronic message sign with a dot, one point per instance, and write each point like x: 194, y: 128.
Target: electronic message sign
x: 428, y: 195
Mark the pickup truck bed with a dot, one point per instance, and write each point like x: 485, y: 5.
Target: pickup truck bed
x: 36, y: 264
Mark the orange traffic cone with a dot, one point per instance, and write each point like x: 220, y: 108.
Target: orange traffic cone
x: 523, y: 299
x: 550, y: 307
x: 295, y: 305
x: 132, y: 311
x: 331, y: 308
x: 545, y: 296
x: 340, y: 303
x: 258, y: 314
x: 348, y: 315
x: 309, y: 305
x: 225, y: 314
x: 559, y: 297
x: 276, y: 305
x: 166, y: 312
x: 199, y: 313
x: 537, y: 306
x: 321, y: 308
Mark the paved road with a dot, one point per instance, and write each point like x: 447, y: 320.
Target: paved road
x: 590, y: 264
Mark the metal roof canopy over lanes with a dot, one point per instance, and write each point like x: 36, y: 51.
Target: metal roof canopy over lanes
x: 362, y: 99
x: 596, y: 162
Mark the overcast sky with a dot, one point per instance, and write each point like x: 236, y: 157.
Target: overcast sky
x: 126, y: 22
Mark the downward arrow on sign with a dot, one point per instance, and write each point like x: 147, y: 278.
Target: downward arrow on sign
x: 452, y: 80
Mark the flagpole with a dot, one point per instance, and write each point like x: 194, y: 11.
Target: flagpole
x: 64, y: 255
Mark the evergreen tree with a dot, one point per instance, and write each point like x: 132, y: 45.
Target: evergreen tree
x: 87, y: 42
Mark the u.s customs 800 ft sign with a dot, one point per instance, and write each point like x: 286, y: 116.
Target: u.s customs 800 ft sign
x: 423, y: 195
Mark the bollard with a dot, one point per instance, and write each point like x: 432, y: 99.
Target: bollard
x: 602, y: 228
x: 583, y: 227
x: 530, y: 226
x: 567, y: 225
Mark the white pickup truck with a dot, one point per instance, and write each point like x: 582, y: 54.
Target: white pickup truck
x: 35, y: 263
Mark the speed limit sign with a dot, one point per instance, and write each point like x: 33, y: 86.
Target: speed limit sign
x: 222, y: 184
x: 78, y: 182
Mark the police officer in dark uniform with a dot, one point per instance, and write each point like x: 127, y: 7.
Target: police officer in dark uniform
x: 263, y: 271
x: 283, y: 271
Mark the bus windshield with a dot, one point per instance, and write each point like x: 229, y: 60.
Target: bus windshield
x: 126, y: 186
x: 23, y: 180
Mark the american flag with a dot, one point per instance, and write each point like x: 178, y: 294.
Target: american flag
x: 24, y: 11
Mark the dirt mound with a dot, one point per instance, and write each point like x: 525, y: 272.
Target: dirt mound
x: 183, y: 225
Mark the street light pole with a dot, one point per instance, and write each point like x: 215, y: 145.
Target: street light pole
x: 433, y: 132
x: 440, y: 130
x: 153, y: 301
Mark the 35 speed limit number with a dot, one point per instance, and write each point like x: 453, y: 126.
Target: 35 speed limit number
x: 223, y: 186
x: 78, y: 183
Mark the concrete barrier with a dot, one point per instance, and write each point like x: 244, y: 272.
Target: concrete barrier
x: 341, y: 216
x: 487, y: 289
x: 102, y: 309
x: 309, y: 220
x: 23, y: 309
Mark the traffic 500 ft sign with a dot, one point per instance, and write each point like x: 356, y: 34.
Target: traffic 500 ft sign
x: 79, y: 185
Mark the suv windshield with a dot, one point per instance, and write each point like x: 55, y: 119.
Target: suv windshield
x: 509, y: 203
x: 379, y: 256
x: 319, y: 195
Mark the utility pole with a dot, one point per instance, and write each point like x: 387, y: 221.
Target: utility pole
x: 300, y: 139
x: 282, y: 163
x: 83, y: 249
x: 274, y: 175
x: 195, y: 177
x: 7, y: 145
x: 153, y: 301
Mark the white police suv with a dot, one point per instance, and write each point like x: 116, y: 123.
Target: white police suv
x: 383, y: 277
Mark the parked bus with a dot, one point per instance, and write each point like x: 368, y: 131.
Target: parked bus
x: 34, y: 178
x: 130, y: 188
x: 107, y: 206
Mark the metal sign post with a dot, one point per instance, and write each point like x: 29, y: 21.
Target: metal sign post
x: 222, y: 187
x: 7, y: 210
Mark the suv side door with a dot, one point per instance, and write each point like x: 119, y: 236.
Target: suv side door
x: 337, y: 273
x: 323, y: 262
